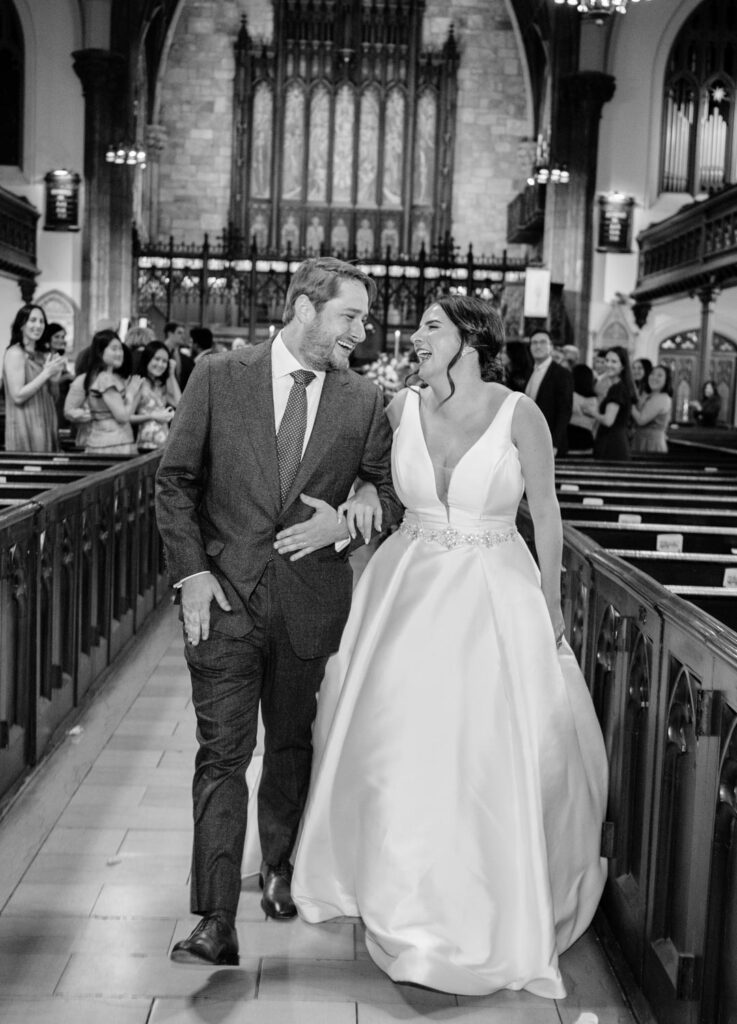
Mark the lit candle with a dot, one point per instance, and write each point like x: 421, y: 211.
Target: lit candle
x: 397, y: 336
x: 272, y: 331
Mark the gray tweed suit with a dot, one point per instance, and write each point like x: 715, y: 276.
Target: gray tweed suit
x: 219, y: 509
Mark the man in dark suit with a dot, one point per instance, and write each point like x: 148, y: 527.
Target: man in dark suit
x: 550, y: 385
x: 175, y: 339
x: 265, y: 446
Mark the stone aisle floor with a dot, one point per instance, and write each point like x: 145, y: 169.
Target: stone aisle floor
x: 94, y: 866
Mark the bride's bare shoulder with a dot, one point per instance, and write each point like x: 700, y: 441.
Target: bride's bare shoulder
x: 395, y: 408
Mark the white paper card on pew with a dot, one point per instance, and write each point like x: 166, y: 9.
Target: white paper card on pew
x: 730, y: 577
x: 593, y: 501
x: 629, y: 517
x: 32, y: 469
x: 569, y: 487
x: 672, y: 542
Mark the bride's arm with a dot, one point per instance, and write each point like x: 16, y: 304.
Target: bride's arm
x: 531, y: 435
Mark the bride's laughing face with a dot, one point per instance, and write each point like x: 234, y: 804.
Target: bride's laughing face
x: 436, y: 342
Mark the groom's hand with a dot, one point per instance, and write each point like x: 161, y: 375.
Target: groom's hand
x: 197, y: 594
x: 321, y: 529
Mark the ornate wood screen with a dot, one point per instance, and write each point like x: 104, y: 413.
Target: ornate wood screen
x: 344, y: 130
x: 699, y: 142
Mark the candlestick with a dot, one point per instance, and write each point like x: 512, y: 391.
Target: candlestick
x: 397, y: 336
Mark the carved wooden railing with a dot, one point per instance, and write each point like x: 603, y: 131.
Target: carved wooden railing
x: 696, y: 247
x: 663, y: 677
x: 80, y: 570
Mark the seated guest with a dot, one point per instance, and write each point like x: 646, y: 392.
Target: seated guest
x: 582, y: 422
x: 112, y: 395
x: 550, y: 386
x: 652, y: 412
x: 706, y: 412
x: 613, y: 414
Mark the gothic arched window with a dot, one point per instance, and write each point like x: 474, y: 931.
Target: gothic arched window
x: 699, y: 142
x: 343, y: 130
x: 11, y: 86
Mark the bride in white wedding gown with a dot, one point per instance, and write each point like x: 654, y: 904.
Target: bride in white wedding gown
x: 459, y: 777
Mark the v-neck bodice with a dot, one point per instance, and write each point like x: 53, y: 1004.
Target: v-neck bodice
x: 485, y: 485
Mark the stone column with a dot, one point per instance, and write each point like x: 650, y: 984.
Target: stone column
x: 707, y: 297
x: 570, y: 208
x: 155, y: 142
x: 102, y: 75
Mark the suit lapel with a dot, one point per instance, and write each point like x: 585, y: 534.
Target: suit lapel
x: 333, y: 408
x: 252, y: 397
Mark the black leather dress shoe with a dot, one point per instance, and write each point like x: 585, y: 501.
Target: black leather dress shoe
x: 214, y: 941
x: 277, y: 899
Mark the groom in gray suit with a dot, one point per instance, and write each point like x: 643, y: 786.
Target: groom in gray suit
x: 265, y: 446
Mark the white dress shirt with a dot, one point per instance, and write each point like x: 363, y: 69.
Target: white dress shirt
x: 283, y: 365
x: 538, y: 372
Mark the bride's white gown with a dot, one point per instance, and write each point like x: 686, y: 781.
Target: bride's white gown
x: 459, y: 780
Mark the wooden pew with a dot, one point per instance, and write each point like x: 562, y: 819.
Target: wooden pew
x: 644, y: 536
x: 695, y: 569
x: 615, y: 512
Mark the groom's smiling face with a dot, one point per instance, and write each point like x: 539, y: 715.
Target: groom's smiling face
x: 335, y: 330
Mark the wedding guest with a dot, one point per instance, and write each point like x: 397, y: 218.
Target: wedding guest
x: 706, y: 412
x: 641, y: 370
x: 135, y: 341
x: 600, y: 374
x: 582, y: 422
x: 55, y: 340
x: 77, y: 411
x: 459, y: 779
x: 29, y: 377
x: 550, y: 385
x: 175, y: 339
x: 158, y: 397
x: 613, y: 414
x: 112, y: 395
x: 653, y: 411
x: 517, y: 364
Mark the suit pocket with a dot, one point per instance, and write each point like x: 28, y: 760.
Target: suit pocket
x: 214, y: 547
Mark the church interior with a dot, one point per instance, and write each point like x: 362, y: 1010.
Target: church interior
x: 573, y: 162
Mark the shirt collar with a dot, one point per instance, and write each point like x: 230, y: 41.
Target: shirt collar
x: 542, y: 367
x: 283, y: 362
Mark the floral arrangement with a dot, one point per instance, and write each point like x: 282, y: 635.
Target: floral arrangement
x: 388, y: 373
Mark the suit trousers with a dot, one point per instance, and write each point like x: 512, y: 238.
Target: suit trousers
x: 230, y: 677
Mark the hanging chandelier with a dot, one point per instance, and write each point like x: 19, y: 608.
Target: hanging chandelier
x: 598, y: 10
x: 131, y: 153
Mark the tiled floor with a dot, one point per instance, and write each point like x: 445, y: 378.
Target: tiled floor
x: 94, y: 863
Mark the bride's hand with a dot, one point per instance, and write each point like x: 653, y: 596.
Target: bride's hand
x: 362, y: 511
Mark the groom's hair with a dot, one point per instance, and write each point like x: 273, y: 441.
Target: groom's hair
x: 319, y: 279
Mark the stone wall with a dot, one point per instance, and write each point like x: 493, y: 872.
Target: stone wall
x: 197, y: 102
x: 196, y: 110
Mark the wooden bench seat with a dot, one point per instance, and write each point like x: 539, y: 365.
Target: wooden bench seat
x: 695, y: 569
x: 663, y: 513
x: 644, y: 536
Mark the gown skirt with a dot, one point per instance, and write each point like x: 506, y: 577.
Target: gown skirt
x: 459, y: 777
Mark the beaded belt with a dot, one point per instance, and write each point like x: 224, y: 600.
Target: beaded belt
x: 451, y: 538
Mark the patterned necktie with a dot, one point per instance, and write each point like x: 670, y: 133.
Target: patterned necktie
x: 291, y: 433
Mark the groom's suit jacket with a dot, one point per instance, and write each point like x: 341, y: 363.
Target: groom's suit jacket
x: 218, y: 504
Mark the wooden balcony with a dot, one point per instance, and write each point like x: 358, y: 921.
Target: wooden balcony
x: 17, y: 237
x: 695, y: 248
x: 526, y: 216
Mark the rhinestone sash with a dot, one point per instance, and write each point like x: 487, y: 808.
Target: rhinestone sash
x: 451, y: 538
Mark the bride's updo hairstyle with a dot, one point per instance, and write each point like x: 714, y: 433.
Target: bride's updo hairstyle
x: 480, y: 327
